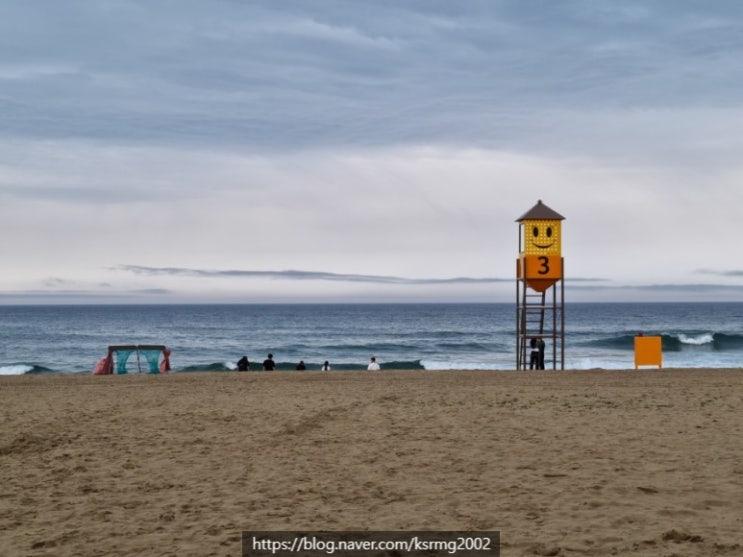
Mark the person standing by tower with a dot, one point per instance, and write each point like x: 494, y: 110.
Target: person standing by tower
x: 533, y: 354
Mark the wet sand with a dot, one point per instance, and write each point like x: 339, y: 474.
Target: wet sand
x: 642, y: 463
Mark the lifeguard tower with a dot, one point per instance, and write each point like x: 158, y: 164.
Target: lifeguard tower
x: 539, y: 273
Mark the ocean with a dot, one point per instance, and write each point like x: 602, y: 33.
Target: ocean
x: 71, y: 339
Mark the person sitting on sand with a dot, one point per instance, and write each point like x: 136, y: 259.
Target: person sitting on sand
x: 301, y: 366
x: 373, y: 365
x: 243, y: 364
x: 326, y: 366
x: 269, y: 364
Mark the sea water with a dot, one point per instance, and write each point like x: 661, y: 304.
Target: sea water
x: 36, y: 339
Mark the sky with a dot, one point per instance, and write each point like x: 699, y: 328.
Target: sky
x: 171, y: 151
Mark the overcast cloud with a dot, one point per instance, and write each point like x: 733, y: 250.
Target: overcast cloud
x: 180, y: 150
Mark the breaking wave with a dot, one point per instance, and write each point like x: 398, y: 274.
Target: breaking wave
x: 676, y: 341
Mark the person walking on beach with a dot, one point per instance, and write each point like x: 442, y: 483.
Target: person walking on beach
x: 243, y: 364
x: 534, y: 355
x: 540, y: 346
x: 326, y: 366
x: 269, y: 364
x: 373, y: 365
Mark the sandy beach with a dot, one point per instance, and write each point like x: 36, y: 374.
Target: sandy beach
x: 643, y: 463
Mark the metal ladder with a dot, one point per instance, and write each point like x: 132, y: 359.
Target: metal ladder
x: 531, y: 321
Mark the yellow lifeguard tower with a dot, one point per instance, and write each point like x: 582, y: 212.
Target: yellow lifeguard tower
x: 539, y: 270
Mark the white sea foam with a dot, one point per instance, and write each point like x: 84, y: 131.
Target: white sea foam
x: 17, y: 369
x: 704, y: 338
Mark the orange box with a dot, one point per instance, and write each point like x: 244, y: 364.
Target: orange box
x: 539, y: 271
x: 539, y: 267
x: 648, y: 351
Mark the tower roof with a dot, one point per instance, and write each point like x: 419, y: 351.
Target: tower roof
x: 540, y: 211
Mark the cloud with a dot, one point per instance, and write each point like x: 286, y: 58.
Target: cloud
x: 657, y: 292
x: 387, y: 288
x: 72, y: 296
x: 314, y: 275
x: 307, y: 75
x: 720, y: 273
x: 300, y: 275
x: 373, y: 144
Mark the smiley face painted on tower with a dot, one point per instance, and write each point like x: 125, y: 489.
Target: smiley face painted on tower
x: 541, y: 237
x: 540, y: 263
